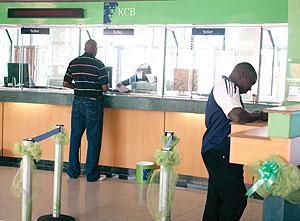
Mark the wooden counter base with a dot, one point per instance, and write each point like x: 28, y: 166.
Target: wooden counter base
x: 254, y: 144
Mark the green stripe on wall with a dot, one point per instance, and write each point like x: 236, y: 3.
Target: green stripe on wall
x: 205, y: 12
x: 166, y: 12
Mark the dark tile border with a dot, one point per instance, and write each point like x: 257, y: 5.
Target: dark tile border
x: 189, y: 182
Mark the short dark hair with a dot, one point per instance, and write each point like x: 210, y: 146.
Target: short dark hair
x: 89, y: 44
x: 247, y: 67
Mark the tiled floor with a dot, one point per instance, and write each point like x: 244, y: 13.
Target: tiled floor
x: 109, y: 200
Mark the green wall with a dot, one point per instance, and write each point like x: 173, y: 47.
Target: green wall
x: 293, y: 47
x: 165, y: 12
x: 206, y: 12
x: 294, y: 31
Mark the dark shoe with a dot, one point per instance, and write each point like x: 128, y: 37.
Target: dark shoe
x: 101, y: 178
x: 71, y: 175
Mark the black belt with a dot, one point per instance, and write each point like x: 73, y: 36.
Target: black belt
x: 90, y: 98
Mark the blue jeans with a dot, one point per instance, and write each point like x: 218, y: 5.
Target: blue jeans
x: 87, y: 113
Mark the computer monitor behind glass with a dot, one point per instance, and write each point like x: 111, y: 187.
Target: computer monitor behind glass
x: 13, y: 71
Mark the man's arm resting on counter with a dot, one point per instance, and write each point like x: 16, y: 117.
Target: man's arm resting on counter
x: 68, y: 85
x: 240, y: 115
x: 71, y: 85
x: 105, y: 87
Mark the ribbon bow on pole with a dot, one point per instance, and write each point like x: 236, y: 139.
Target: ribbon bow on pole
x: 268, y: 175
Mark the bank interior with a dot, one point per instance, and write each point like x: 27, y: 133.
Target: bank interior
x: 189, y: 46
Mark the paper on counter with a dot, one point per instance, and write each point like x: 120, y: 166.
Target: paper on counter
x: 151, y: 78
x: 123, y: 88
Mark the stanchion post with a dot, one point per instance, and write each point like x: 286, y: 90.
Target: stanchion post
x: 26, y: 184
x: 58, y: 165
x: 164, y: 183
x: 164, y: 193
x: 57, y: 179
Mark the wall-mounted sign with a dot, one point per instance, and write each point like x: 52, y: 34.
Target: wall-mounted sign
x: 119, y: 11
x: 44, y: 31
x: 123, y: 31
x: 45, y: 13
x: 208, y: 31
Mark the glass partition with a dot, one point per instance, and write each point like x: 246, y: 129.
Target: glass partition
x: 6, y: 50
x: 197, y: 57
x: 179, y: 62
x: 205, y: 54
x: 53, y: 53
x: 273, y: 63
x: 125, y: 53
x: 46, y: 55
x: 185, y: 61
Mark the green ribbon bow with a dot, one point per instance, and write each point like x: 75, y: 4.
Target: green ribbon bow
x: 268, y: 175
x: 33, y: 150
x: 60, y: 138
x: 168, y: 158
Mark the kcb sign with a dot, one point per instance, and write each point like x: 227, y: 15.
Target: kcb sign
x: 126, y: 11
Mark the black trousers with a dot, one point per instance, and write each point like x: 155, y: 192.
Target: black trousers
x: 226, y: 198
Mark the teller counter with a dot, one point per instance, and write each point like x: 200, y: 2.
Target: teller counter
x: 259, y: 140
x: 133, y: 126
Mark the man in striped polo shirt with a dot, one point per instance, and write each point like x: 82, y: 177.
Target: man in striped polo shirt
x: 226, y: 198
x: 89, y: 79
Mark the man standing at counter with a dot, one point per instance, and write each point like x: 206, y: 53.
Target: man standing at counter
x: 90, y: 81
x: 226, y: 198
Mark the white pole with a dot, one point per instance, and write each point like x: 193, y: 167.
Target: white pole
x: 57, y: 181
x: 26, y: 184
x: 164, y: 193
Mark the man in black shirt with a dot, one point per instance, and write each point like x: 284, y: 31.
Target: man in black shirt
x: 226, y: 199
x: 89, y: 79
